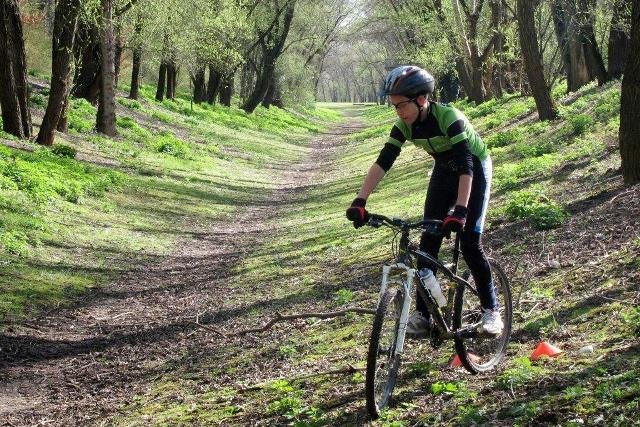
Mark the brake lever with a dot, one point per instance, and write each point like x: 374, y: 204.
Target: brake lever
x: 375, y: 222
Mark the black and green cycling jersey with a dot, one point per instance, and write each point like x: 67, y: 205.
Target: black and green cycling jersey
x: 445, y: 133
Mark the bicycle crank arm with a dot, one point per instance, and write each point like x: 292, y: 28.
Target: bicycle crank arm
x: 467, y: 332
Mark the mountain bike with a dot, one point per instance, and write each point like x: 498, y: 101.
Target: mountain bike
x: 458, y: 320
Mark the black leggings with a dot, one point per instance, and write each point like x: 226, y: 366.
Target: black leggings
x: 441, y: 196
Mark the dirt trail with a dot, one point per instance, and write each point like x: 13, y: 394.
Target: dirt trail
x: 76, y: 366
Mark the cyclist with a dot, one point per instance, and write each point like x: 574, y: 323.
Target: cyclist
x: 461, y: 179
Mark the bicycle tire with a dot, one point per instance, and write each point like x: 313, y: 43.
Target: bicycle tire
x: 481, y: 354
x: 384, y: 334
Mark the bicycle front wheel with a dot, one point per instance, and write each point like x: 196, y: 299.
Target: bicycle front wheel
x: 382, y: 361
x: 482, y: 353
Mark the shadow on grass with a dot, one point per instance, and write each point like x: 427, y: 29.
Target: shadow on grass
x: 24, y: 349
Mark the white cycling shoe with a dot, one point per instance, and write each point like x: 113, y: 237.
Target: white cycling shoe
x: 491, y: 322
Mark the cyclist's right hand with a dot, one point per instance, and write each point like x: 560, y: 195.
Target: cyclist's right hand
x: 357, y: 213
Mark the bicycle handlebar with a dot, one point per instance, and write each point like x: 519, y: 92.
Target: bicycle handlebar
x: 376, y: 220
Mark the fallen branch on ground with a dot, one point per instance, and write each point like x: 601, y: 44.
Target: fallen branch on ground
x: 280, y: 318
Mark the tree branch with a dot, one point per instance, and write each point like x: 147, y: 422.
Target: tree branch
x: 280, y: 318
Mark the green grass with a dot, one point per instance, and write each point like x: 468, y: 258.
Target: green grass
x: 309, y: 268
x: 180, y: 164
x: 166, y: 179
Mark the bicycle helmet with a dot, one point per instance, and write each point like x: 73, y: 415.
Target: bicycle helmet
x: 408, y: 80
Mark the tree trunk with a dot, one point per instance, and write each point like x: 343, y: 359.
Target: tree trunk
x: 585, y: 61
x: 578, y: 74
x: 477, y: 82
x: 64, y: 29
x: 199, y: 86
x: 268, y: 97
x: 162, y: 76
x: 135, y: 73
x: 119, y: 48
x: 629, y: 105
x: 169, y: 87
x: 567, y: 28
x: 106, y: 117
x: 463, y: 74
x: 449, y: 87
x: 618, y: 40
x: 274, y: 94
x: 136, y: 61
x: 16, y: 116
x: 261, y: 87
x: 247, y: 77
x: 226, y: 91
x: 560, y: 26
x: 272, y: 49
x: 589, y: 42
x: 171, y: 79
x: 213, y: 86
x: 533, y: 60
x: 86, y: 81
x: 63, y: 121
x: 174, y: 80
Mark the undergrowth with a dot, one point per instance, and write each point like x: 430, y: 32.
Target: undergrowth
x: 168, y: 155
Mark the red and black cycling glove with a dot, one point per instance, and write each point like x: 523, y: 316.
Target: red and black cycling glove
x: 357, y: 213
x: 455, y: 222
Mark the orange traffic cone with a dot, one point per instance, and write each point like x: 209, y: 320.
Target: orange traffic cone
x: 456, y: 363
x: 544, y: 349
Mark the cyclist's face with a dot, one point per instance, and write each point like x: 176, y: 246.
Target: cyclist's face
x: 406, y: 108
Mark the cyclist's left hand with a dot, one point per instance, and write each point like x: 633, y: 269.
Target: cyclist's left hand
x: 454, y: 222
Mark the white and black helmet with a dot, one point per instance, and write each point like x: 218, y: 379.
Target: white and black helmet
x: 408, y: 80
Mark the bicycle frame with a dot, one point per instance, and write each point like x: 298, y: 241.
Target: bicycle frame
x: 434, y: 309
x: 403, y: 263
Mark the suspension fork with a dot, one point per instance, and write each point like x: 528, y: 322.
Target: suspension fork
x: 407, y: 288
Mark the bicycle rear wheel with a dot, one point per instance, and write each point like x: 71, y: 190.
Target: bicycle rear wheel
x: 482, y: 353
x: 382, y: 361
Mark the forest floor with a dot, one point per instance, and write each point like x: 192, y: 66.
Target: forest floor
x: 80, y: 364
x: 160, y: 344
